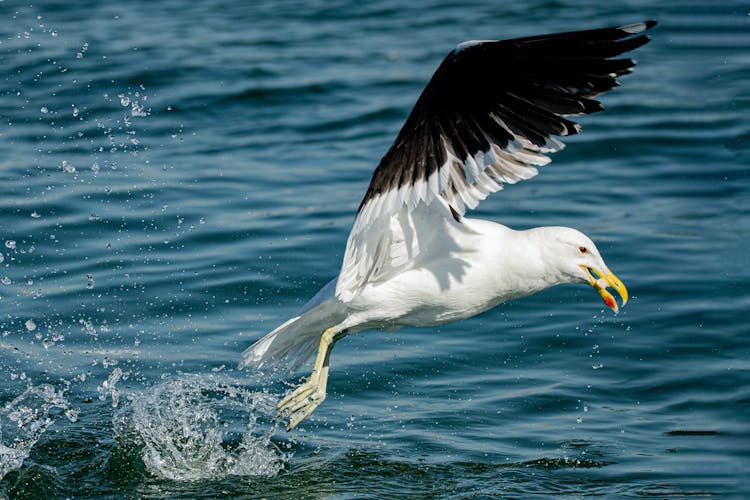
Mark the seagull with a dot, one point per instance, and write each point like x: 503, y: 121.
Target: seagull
x: 488, y: 117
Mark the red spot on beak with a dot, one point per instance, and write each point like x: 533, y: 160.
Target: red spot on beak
x: 610, y: 301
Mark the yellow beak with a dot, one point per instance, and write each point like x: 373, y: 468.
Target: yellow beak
x: 601, y: 283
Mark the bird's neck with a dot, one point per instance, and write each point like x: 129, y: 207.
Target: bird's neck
x: 533, y: 260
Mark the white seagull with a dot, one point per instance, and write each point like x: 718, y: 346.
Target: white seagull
x: 486, y: 118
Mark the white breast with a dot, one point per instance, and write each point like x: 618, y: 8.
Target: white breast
x: 462, y: 278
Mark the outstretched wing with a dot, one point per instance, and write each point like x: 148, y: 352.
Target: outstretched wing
x: 487, y: 117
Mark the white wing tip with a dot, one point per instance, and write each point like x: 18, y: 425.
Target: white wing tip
x: 468, y: 44
x: 634, y: 28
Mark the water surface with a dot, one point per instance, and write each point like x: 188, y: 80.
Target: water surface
x: 177, y: 178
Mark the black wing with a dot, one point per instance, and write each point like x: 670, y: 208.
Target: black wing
x: 505, y: 94
x: 487, y: 117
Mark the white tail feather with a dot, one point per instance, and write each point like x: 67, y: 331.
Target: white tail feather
x: 287, y: 347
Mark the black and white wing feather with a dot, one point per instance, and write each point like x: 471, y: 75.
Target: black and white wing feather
x: 487, y: 117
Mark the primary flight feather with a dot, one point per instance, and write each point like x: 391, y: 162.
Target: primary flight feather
x: 488, y: 117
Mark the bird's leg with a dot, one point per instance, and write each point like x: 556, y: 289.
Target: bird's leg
x: 304, y: 399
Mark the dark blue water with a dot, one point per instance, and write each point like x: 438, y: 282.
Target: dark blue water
x: 177, y: 178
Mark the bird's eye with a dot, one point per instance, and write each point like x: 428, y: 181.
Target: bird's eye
x: 583, y: 249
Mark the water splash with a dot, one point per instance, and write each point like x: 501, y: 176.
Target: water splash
x: 24, y: 420
x: 195, y: 428
x: 109, y: 386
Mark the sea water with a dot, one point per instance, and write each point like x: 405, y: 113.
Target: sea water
x: 177, y: 178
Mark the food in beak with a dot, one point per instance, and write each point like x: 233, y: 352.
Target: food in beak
x: 607, y: 279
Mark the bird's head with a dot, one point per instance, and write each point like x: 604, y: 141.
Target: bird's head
x: 580, y: 262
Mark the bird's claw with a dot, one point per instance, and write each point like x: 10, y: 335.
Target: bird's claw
x: 301, y: 403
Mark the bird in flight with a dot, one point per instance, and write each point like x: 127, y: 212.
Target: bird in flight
x: 488, y: 117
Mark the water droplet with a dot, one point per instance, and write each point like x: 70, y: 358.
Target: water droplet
x: 75, y: 112
x: 67, y: 167
x: 2, y: 257
x: 10, y: 244
x: 35, y: 215
x: 44, y: 109
x: 95, y: 167
x: 30, y: 325
x: 124, y: 100
x: 5, y: 280
x: 108, y: 387
x: 71, y: 414
x: 137, y: 109
x: 88, y: 326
